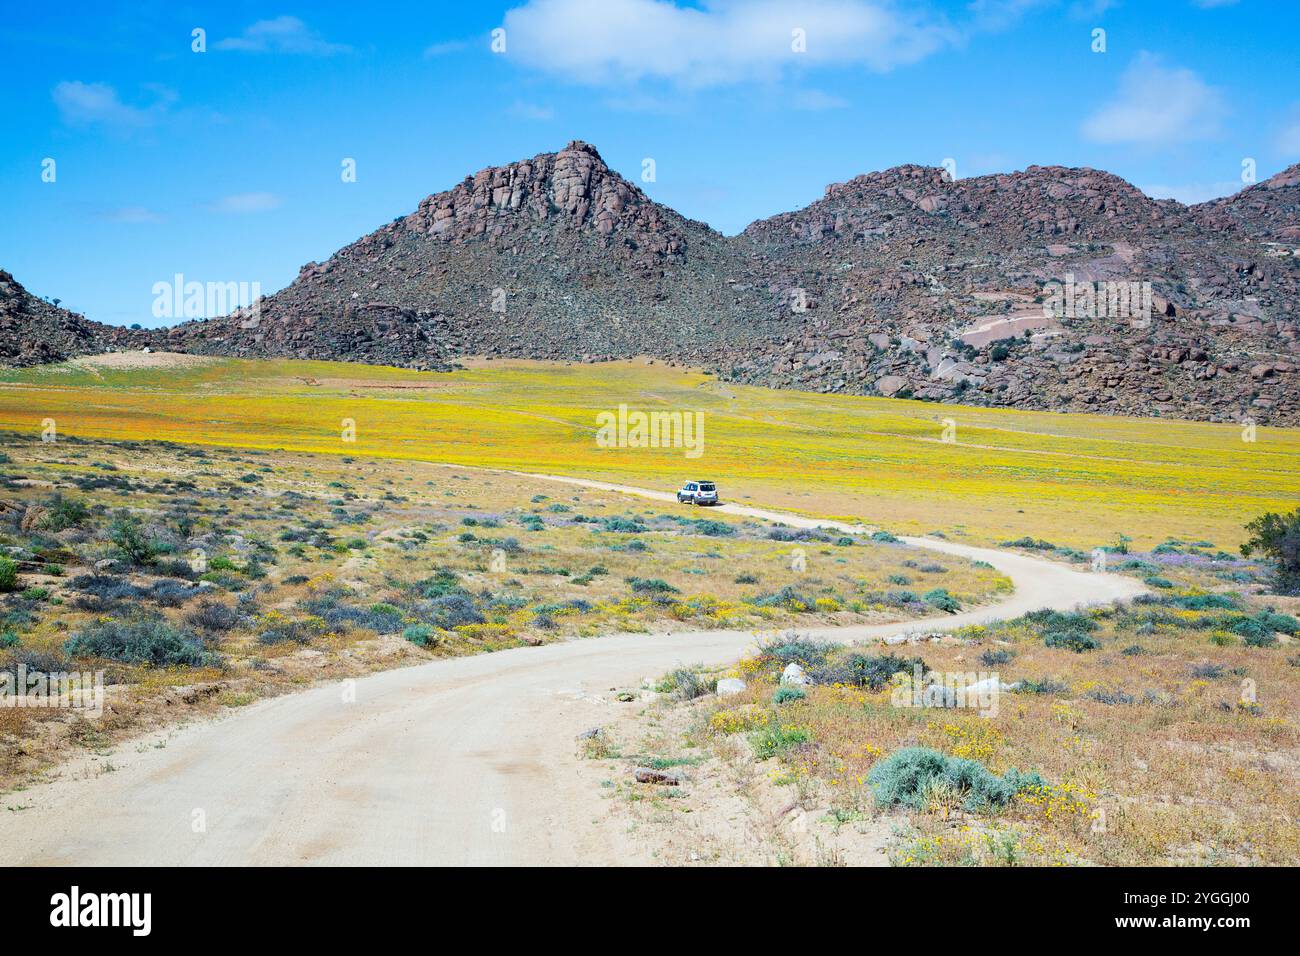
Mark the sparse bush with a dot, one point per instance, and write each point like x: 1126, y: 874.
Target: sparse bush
x: 795, y: 650
x: 128, y: 535
x: 422, y: 635
x: 1277, y: 537
x: 1041, y: 686
x: 8, y: 574
x: 454, y: 610
x: 686, y: 684
x: 784, y: 695
x: 1037, y: 544
x: 771, y: 741
x: 214, y: 617
x: 170, y: 593
x: 864, y: 670
x: 651, y: 586
x: 1205, y: 602
x: 1076, y: 641
x: 907, y: 777
x: 442, y: 583
x: 63, y: 513
x: 142, y: 640
x: 996, y: 657
x: 788, y: 597
x: 626, y: 525
x: 940, y: 598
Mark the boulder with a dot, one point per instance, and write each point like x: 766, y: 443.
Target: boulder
x: 794, y: 675
x: 729, y: 686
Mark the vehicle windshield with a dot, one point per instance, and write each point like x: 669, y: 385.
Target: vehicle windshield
x: 706, y: 486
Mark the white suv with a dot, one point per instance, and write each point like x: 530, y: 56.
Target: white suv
x: 698, y: 493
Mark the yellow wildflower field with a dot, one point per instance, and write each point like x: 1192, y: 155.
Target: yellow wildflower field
x: 908, y: 466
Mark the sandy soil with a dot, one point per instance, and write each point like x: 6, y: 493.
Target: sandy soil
x: 464, y: 761
x: 142, y: 360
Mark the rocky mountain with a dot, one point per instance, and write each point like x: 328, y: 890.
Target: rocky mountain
x: 1051, y: 288
x: 34, y: 332
x: 919, y: 285
x: 1268, y: 211
x: 553, y: 257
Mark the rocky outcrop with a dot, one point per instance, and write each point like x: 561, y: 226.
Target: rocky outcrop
x: 36, y: 332
x: 1267, y: 211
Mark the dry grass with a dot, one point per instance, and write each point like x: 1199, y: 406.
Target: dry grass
x: 283, y: 532
x: 1173, y: 743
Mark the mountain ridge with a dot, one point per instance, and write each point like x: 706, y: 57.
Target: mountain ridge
x: 897, y: 282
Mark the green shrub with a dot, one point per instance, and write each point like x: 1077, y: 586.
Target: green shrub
x: 1075, y: 641
x: 1277, y: 537
x: 133, y: 544
x: 64, y: 513
x: 651, y: 586
x: 1278, y: 622
x: 442, y: 583
x: 1205, y: 602
x: 788, y: 597
x: 771, y: 741
x: 686, y: 684
x: 1027, y: 542
x: 1044, y: 686
x: 421, y: 634
x: 1047, y: 620
x: 8, y: 574
x: 883, y: 536
x: 907, y: 776
x: 940, y: 598
x: 784, y: 695
x: 864, y: 670
x: 143, y: 640
x: 8, y: 639
x: 626, y: 525
x: 795, y: 650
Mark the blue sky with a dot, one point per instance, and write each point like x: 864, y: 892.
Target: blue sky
x: 225, y: 165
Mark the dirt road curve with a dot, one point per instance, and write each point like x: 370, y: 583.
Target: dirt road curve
x: 464, y: 761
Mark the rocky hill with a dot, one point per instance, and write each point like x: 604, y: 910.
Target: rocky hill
x: 34, y: 332
x: 1266, y: 211
x: 993, y: 290
x: 554, y: 257
x: 936, y: 289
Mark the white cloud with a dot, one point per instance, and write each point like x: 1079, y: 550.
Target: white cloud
x: 444, y: 48
x: 1288, y: 140
x: 725, y: 41
x: 282, y: 35
x: 817, y: 100
x: 85, y: 104
x: 531, y: 111
x: 1157, y: 105
x: 132, y: 215
x: 242, y: 203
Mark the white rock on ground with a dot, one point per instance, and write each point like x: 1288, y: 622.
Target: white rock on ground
x: 793, y: 674
x: 730, y: 685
